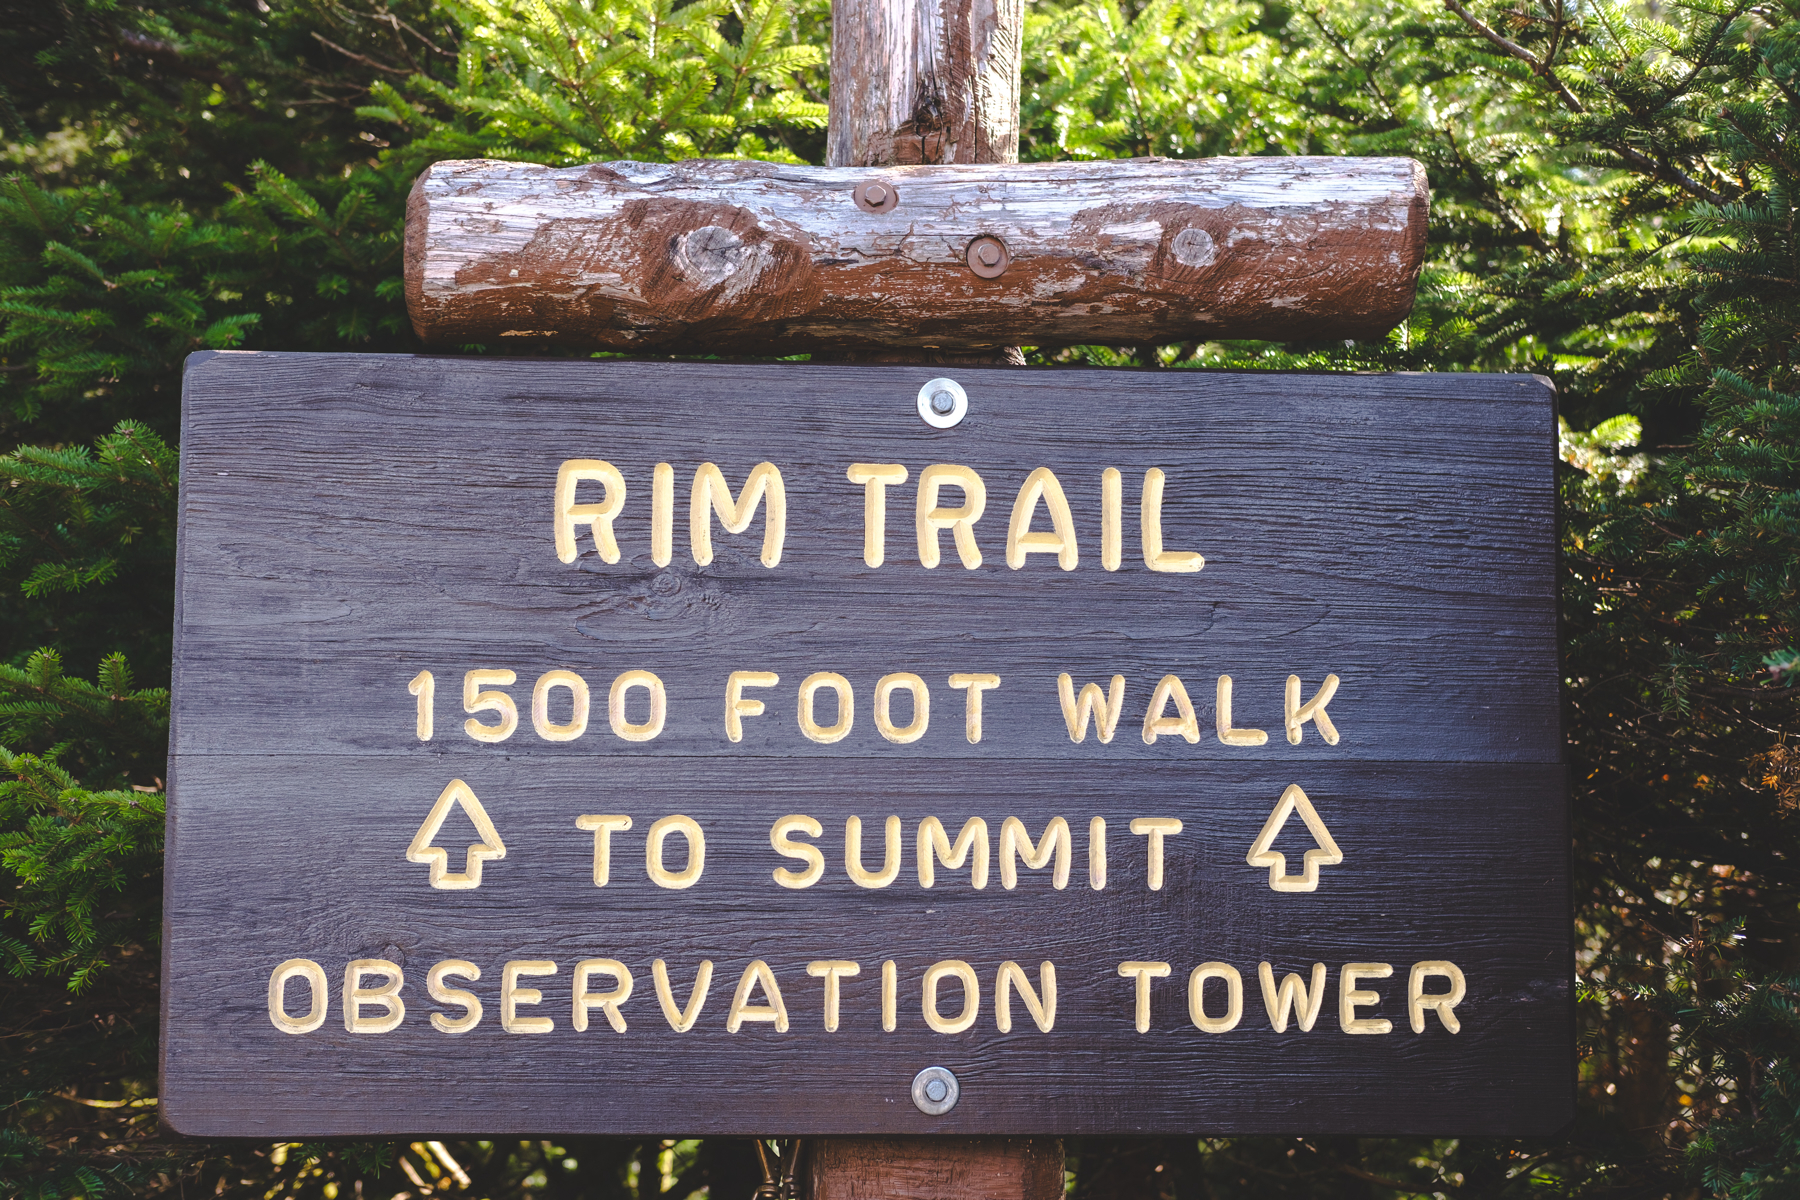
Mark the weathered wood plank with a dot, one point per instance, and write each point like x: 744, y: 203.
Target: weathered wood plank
x: 765, y: 258
x: 1396, y: 531
x: 277, y: 857
x: 924, y: 81
x: 349, y: 520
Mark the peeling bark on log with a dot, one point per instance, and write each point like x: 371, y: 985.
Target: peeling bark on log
x: 924, y: 81
x: 763, y: 258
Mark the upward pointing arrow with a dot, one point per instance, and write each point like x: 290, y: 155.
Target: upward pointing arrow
x: 490, y: 845
x: 1326, y: 855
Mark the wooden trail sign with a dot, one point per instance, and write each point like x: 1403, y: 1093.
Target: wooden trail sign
x: 619, y: 747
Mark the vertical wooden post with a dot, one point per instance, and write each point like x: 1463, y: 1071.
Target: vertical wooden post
x: 925, y: 81
x: 928, y: 81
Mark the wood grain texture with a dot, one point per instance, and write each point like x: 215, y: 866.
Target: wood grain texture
x: 935, y: 1169
x: 767, y: 258
x: 924, y: 81
x: 1396, y: 531
x: 303, y: 856
x: 347, y: 521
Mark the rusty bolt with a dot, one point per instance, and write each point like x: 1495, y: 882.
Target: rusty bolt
x: 876, y: 196
x: 988, y: 258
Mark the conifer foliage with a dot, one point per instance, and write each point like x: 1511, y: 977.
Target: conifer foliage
x: 1614, y: 205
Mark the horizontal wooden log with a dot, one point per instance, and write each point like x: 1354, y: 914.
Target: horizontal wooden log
x: 764, y: 258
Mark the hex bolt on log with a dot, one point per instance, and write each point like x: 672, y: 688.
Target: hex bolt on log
x: 988, y: 258
x: 878, y: 196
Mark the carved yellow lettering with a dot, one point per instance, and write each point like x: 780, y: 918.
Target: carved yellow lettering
x: 1313, y: 710
x: 512, y: 996
x: 1184, y: 722
x: 681, y: 1019
x: 1105, y: 709
x: 475, y: 700
x: 954, y: 968
x: 319, y: 985
x: 1293, y: 996
x: 387, y: 995
x: 570, y: 516
x: 1141, y: 973
x: 607, y: 1002
x: 1112, y: 505
x: 713, y: 495
x: 781, y: 838
x: 890, y: 997
x: 662, y: 515
x: 875, y: 478
x: 1417, y: 1001
x: 1015, y: 843
x: 1350, y: 997
x: 974, y: 685
x: 1040, y: 1004
x: 1150, y: 516
x: 930, y: 518
x: 615, y: 706
x: 578, y: 706
x: 1234, y: 997
x: 690, y: 830
x: 832, y: 970
x: 440, y: 991
x: 1041, y: 484
x: 890, y: 862
x: 846, y: 707
x: 603, y: 826
x: 737, y: 706
x: 921, y: 707
x: 1156, y: 829
x: 1229, y: 734
x: 935, y: 846
x: 1097, y: 854
x: 757, y: 974
x: 425, y: 688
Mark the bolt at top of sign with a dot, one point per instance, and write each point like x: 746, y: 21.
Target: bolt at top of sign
x: 943, y: 403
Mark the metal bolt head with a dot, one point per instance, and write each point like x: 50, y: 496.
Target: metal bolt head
x: 876, y: 196
x: 935, y: 1091
x: 943, y: 403
x: 988, y: 258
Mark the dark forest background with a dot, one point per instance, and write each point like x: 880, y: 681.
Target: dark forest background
x: 1614, y: 202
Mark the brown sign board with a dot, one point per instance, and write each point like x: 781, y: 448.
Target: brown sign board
x: 1208, y: 782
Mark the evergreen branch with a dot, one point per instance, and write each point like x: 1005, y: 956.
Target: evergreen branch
x: 1667, y: 172
x: 361, y: 58
x: 1539, y: 67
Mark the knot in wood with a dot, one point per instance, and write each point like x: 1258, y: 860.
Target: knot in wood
x: 1194, y: 248
x: 710, y: 255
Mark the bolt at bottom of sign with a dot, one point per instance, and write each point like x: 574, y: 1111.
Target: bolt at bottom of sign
x: 935, y: 1091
